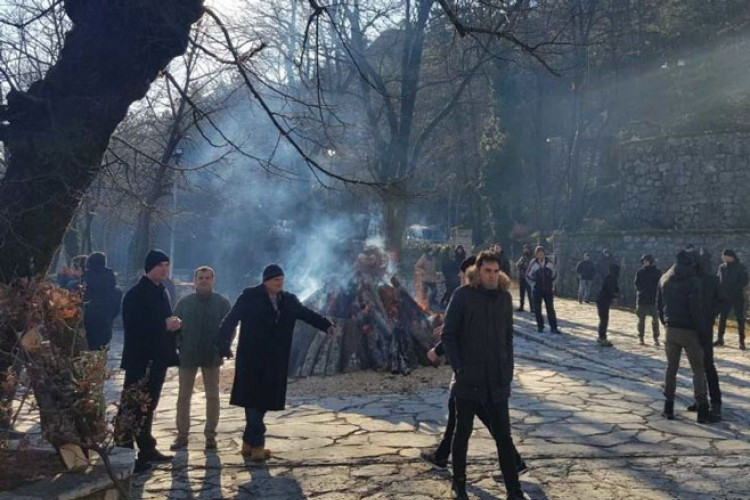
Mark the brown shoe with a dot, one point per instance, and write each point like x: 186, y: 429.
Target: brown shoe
x: 259, y: 454
x: 246, y: 450
x: 180, y: 443
x: 210, y: 443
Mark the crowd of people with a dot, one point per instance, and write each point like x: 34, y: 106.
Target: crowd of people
x: 476, y: 337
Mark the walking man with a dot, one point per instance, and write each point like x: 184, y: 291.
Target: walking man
x: 198, y: 346
x: 541, y: 274
x: 679, y: 302
x: 267, y: 315
x: 148, y: 351
x: 478, y: 339
x: 712, y: 303
x: 522, y: 265
x: 646, y: 282
x: 586, y: 272
x: 609, y: 292
x: 732, y: 282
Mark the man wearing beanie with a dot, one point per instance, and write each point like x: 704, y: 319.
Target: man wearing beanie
x: 267, y: 315
x: 732, y: 282
x: 148, y: 351
x: 646, y: 282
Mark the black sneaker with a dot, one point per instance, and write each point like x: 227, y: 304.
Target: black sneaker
x: 459, y: 490
x: 556, y: 330
x: 519, y: 495
x: 520, y: 310
x: 433, y: 459
x: 522, y: 467
x: 141, y: 466
x: 540, y: 330
x: 154, y: 456
x: 719, y: 343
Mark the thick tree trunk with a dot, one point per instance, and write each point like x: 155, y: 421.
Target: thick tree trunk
x: 395, y: 205
x: 56, y: 133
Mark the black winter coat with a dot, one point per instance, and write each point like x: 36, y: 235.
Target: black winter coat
x: 712, y: 302
x: 101, y: 305
x: 733, y: 279
x: 145, y: 310
x: 478, y: 340
x: 679, y: 299
x: 504, y: 262
x: 610, y: 289
x: 586, y: 270
x: 265, y: 343
x: 542, y: 275
x: 646, y: 282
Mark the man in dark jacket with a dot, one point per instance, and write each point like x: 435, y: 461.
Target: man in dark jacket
x: 609, y: 292
x: 478, y: 339
x: 541, y: 274
x: 451, y: 271
x: 586, y: 272
x: 148, y: 351
x: 679, y: 301
x: 733, y: 279
x: 646, y: 283
x: 712, y: 304
x: 522, y: 265
x: 268, y: 315
x: 101, y: 301
x: 504, y: 261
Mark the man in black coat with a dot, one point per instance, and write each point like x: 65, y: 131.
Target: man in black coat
x: 478, y: 339
x: 586, y: 271
x: 646, y: 282
x: 451, y: 272
x: 148, y: 351
x: 522, y: 265
x: 609, y: 292
x: 679, y: 300
x: 504, y: 261
x: 101, y: 301
x: 733, y: 279
x: 267, y: 315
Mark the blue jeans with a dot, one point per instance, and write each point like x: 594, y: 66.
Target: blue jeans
x: 255, y: 429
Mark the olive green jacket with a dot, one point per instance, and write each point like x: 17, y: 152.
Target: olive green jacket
x: 197, y: 341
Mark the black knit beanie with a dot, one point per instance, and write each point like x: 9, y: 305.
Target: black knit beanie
x: 272, y: 271
x: 154, y: 258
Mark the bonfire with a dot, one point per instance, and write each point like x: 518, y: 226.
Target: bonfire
x: 380, y: 326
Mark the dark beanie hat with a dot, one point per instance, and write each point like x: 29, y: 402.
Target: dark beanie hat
x: 647, y: 257
x: 730, y: 253
x: 684, y: 258
x: 467, y: 263
x: 154, y: 258
x: 272, y: 271
x: 97, y: 260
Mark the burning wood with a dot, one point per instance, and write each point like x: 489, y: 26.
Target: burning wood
x: 380, y: 325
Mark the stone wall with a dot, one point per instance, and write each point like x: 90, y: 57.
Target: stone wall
x: 628, y: 246
x: 685, y: 182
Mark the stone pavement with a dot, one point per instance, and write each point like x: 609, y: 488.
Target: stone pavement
x: 587, y: 420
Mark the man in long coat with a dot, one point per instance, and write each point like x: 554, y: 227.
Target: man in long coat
x: 267, y: 315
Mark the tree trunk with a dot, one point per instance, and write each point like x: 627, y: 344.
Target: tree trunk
x: 394, y: 219
x: 56, y: 133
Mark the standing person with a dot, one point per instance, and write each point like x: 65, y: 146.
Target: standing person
x: 425, y: 266
x: 602, y: 268
x: 609, y: 292
x: 679, y: 302
x: 522, y: 265
x: 586, y: 272
x: 148, y: 351
x: 198, y: 346
x: 268, y: 315
x: 504, y: 261
x: 451, y: 272
x: 646, y: 282
x: 439, y: 457
x: 712, y: 304
x: 101, y: 301
x: 541, y: 274
x: 478, y: 339
x: 732, y: 282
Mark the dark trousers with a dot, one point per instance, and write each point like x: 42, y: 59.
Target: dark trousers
x: 677, y: 340
x: 154, y: 380
x: 643, y: 310
x: 525, y: 289
x: 712, y: 376
x: 549, y: 305
x: 444, y: 448
x: 738, y: 305
x: 602, y: 308
x: 255, y: 428
x: 498, y: 417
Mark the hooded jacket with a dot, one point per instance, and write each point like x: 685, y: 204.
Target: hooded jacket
x: 646, y: 282
x: 610, y: 288
x: 478, y: 340
x: 679, y: 299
